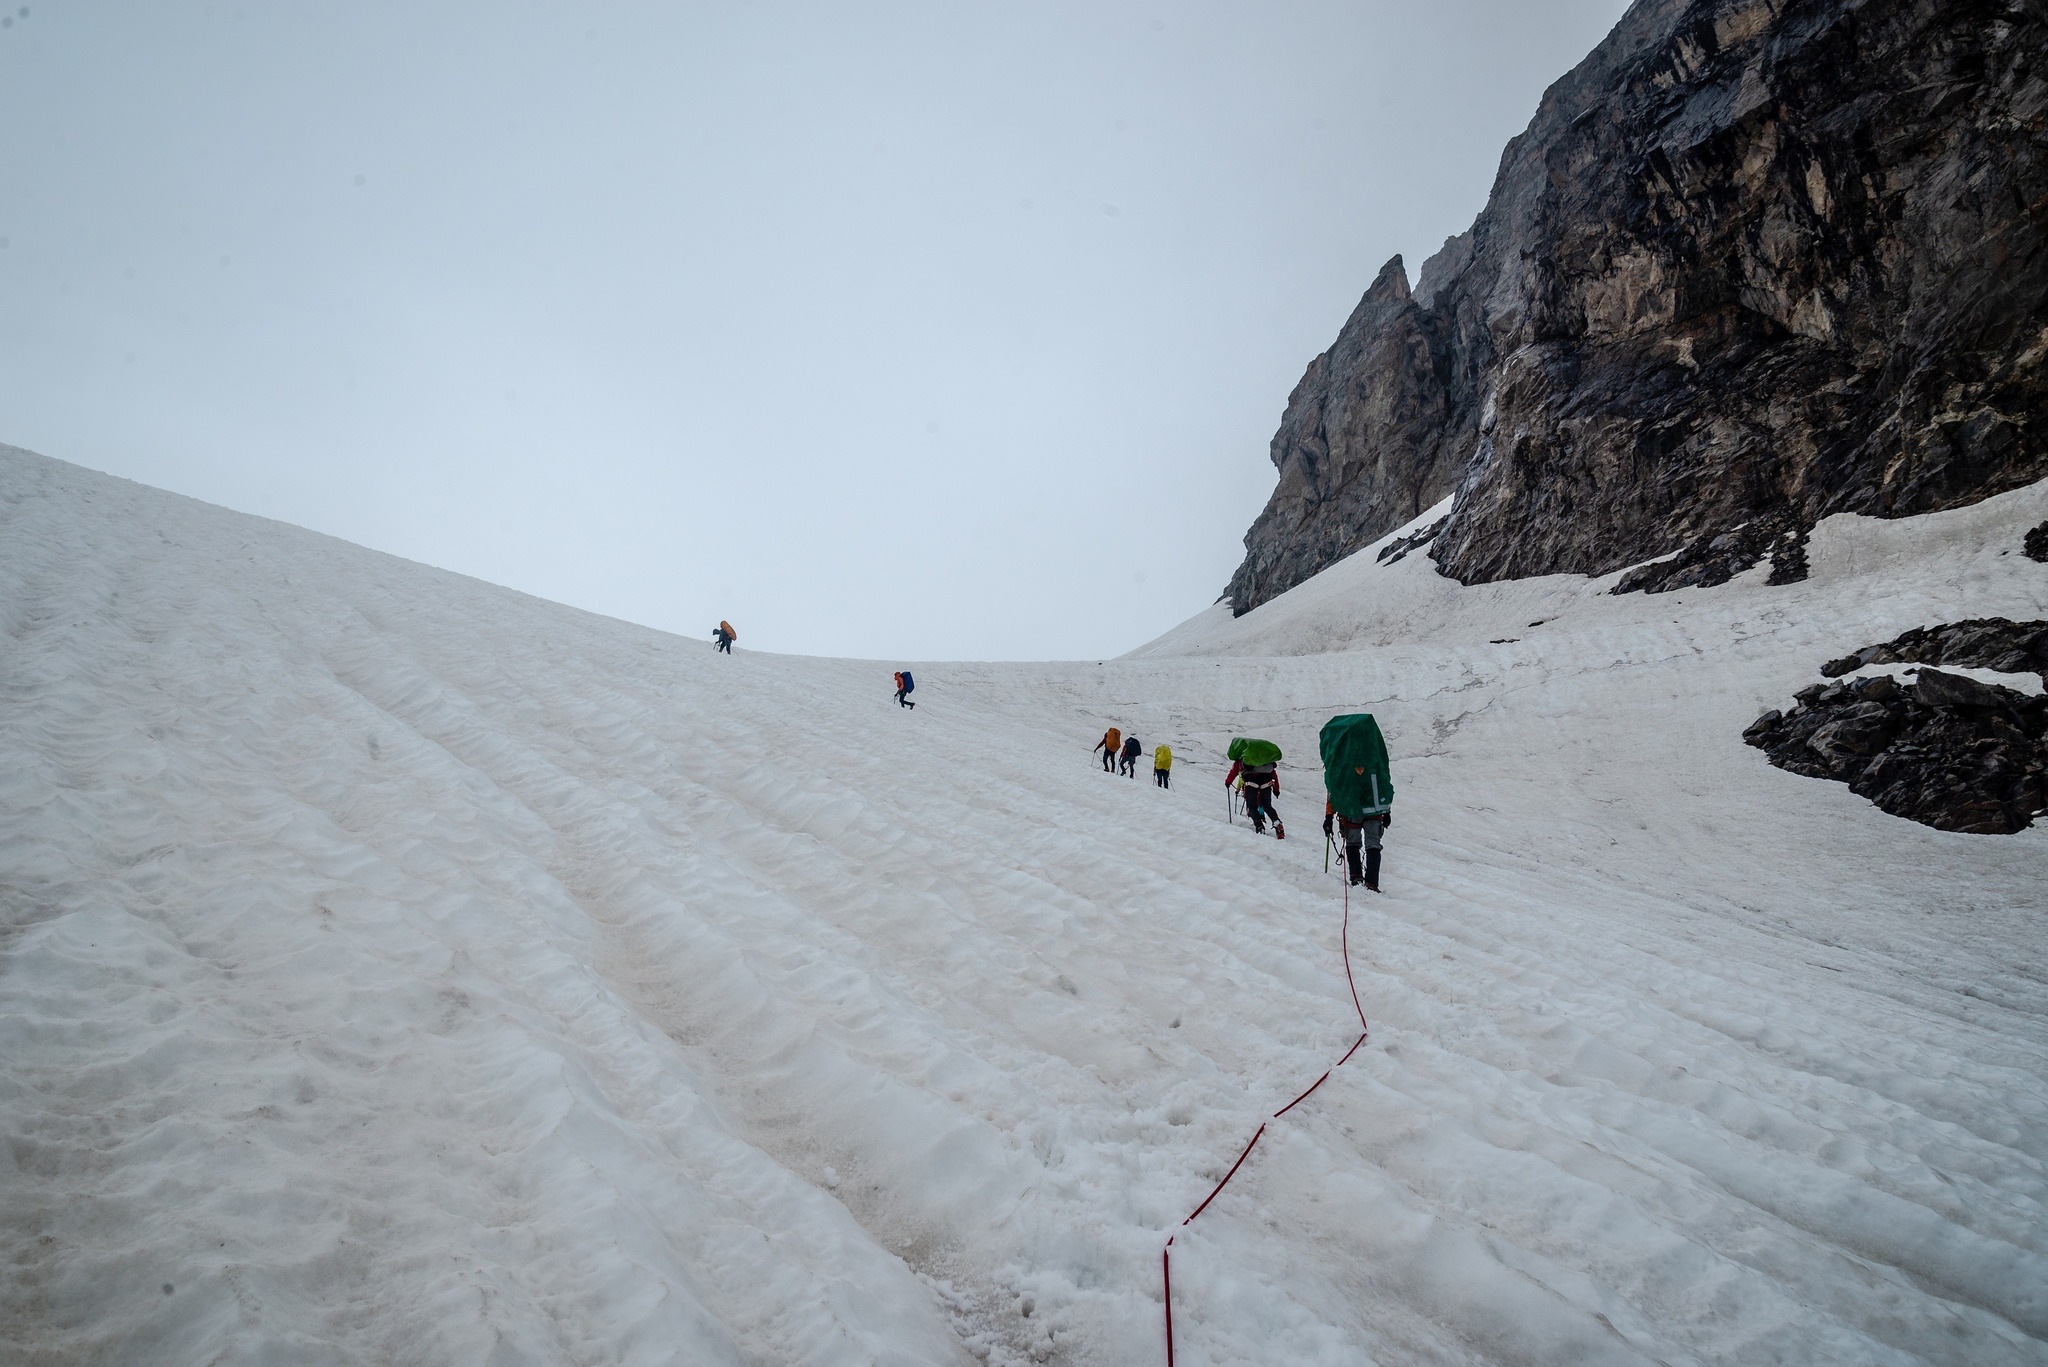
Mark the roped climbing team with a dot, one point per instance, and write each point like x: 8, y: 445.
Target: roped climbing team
x: 1356, y: 776
x: 1357, y: 780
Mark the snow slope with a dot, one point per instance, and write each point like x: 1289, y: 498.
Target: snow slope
x: 397, y: 968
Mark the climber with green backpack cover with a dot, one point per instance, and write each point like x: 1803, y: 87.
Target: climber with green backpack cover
x: 1258, y: 761
x: 1360, y: 784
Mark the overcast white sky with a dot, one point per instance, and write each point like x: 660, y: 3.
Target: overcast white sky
x: 919, y: 330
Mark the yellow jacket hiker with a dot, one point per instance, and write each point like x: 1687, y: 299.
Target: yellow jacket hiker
x: 1162, y: 764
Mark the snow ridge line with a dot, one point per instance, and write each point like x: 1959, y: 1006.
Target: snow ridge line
x: 1364, y: 1029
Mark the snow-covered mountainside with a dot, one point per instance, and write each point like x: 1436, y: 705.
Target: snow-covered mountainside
x: 398, y: 968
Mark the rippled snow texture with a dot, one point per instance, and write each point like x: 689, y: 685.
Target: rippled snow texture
x: 398, y: 968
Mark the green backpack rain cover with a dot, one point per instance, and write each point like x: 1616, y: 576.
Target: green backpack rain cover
x: 1355, y: 768
x: 1249, y: 751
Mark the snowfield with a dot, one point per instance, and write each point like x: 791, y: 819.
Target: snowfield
x: 399, y: 968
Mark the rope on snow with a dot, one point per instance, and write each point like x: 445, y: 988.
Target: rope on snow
x: 1166, y: 1253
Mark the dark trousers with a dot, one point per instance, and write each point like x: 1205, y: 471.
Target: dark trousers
x: 1108, y: 760
x: 1159, y: 777
x: 725, y: 643
x: 1370, y: 874
x: 1130, y: 766
x: 1258, y: 805
x: 902, y: 701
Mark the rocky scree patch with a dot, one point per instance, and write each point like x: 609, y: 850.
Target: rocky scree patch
x: 1720, y: 556
x: 1946, y: 750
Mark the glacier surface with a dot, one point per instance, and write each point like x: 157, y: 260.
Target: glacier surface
x: 394, y: 967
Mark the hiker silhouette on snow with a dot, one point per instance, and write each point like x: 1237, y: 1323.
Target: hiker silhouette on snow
x: 1162, y: 763
x: 904, y: 685
x: 1130, y: 756
x: 1360, y: 784
x: 1255, y: 772
x: 1110, y: 745
x: 725, y: 636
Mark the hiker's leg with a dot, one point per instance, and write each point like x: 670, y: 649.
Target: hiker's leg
x: 1372, y: 868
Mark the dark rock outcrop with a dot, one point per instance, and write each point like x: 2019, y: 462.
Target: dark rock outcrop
x: 2035, y: 547
x: 1980, y: 643
x: 1367, y: 443
x: 1718, y: 558
x: 1946, y: 751
x: 1754, y: 262
x: 1392, y: 552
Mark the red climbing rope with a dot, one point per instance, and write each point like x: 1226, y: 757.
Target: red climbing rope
x: 1166, y: 1253
x: 1345, y: 940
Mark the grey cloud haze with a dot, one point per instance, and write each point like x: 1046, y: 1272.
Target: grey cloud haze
x: 920, y: 330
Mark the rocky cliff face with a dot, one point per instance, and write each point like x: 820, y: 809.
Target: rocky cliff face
x: 1754, y: 262
x: 1369, y: 440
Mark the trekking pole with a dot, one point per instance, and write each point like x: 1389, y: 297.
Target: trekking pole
x: 1229, y: 807
x: 1327, y: 842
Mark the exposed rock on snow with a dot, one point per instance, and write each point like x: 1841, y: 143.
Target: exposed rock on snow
x: 2035, y: 547
x: 1754, y: 262
x: 1392, y: 552
x: 1980, y: 643
x: 1718, y: 557
x: 1947, y: 751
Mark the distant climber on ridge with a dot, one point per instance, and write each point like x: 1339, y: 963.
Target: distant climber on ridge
x: 725, y: 636
x: 1361, y: 792
x: 1112, y: 741
x: 905, y: 685
x: 1162, y: 765
x: 1130, y: 756
x: 1259, y: 763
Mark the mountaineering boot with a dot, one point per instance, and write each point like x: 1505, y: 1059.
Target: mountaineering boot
x: 1279, y: 831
